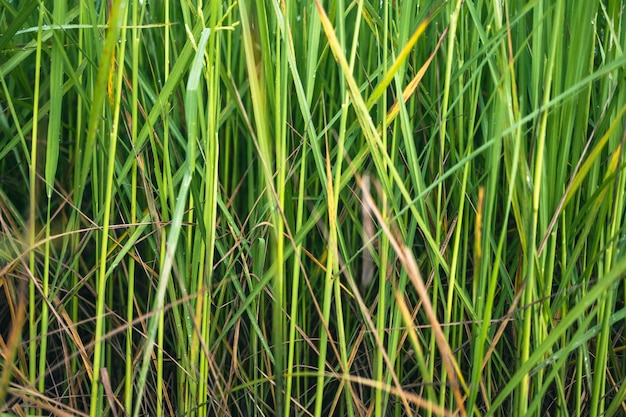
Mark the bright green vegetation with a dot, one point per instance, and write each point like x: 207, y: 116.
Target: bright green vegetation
x: 339, y: 208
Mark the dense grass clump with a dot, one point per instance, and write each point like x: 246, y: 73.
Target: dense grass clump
x: 312, y: 208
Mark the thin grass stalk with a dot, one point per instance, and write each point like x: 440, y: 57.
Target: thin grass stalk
x: 453, y: 305
x: 459, y: 144
x: 534, y: 278
x: 161, y: 314
x: 327, y: 295
x: 331, y: 279
x: 484, y: 283
x: 293, y: 349
x: 191, y: 276
x: 261, y: 254
x: 167, y: 191
x: 32, y: 322
x: 73, y: 221
x: 135, y: 41
x: 211, y: 179
x: 290, y: 299
x: 45, y: 293
x: 166, y: 175
x: 194, y: 274
x: 380, y: 398
x: 260, y: 82
x: 279, y: 305
x: 117, y: 17
x: 338, y: 166
x: 194, y: 260
x: 52, y: 155
x: 445, y: 103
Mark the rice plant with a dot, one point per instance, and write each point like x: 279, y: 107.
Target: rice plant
x: 312, y: 208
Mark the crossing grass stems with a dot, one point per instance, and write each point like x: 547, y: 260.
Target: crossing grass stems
x: 312, y: 208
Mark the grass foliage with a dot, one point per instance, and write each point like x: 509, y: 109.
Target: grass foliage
x: 312, y: 208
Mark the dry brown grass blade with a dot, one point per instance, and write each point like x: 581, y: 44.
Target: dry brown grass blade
x: 368, y: 236
x: 33, y: 398
x: 8, y: 351
x: 408, y: 396
x: 108, y: 391
x: 405, y: 255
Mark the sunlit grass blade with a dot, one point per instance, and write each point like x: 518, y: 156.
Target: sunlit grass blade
x: 393, y: 69
x: 410, y: 89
